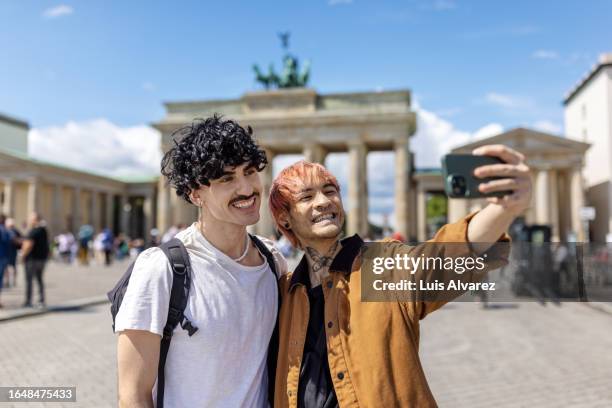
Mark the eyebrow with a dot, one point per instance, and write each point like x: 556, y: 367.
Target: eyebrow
x: 308, y: 190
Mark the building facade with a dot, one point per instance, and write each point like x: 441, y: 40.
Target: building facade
x: 289, y: 122
x: 588, y: 118
x: 302, y: 121
x: 68, y: 198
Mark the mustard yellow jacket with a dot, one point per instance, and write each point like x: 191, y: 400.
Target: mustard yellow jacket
x: 372, y: 347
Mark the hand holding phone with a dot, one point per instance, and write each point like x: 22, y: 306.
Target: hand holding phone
x: 459, y: 178
x: 496, y: 172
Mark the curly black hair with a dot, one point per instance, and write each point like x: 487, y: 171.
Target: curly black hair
x: 201, y: 151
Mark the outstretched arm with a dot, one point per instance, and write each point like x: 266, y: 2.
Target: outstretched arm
x: 492, y: 221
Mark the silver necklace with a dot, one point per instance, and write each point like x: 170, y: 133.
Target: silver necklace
x: 246, y: 250
x: 246, y: 244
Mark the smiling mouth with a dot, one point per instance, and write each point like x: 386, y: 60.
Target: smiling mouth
x: 244, y: 204
x: 324, y: 217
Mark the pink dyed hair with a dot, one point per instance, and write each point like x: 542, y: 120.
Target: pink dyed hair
x: 286, y: 186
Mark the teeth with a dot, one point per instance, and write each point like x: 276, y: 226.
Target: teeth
x: 244, y: 204
x: 324, y: 217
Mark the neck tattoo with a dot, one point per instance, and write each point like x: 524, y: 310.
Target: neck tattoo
x: 321, y: 261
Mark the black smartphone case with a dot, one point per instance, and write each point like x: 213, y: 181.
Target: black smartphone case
x: 463, y: 165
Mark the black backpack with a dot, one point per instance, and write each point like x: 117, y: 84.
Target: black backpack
x: 181, y: 281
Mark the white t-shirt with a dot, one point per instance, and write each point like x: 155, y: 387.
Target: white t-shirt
x: 234, y: 307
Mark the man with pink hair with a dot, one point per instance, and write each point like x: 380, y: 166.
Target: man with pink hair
x: 336, y: 350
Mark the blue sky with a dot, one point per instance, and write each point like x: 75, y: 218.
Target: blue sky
x: 472, y: 61
x: 89, y: 69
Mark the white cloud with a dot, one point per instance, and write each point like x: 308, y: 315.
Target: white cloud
x: 436, y: 136
x: 507, y: 101
x: 338, y: 2
x: 512, y: 31
x: 148, y: 86
x: 489, y: 130
x: 443, y: 5
x: 547, y: 126
x: 449, y: 112
x: 523, y: 30
x: 99, y: 146
x: 545, y: 54
x: 58, y: 11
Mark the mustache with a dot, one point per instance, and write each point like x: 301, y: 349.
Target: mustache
x: 243, y: 198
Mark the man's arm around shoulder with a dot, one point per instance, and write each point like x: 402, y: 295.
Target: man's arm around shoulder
x: 137, y: 360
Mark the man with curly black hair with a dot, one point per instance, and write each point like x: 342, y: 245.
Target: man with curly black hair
x: 233, y: 298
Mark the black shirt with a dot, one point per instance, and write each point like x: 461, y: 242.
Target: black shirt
x: 40, y: 249
x: 316, y: 389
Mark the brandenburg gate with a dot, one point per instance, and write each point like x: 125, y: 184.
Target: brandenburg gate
x: 301, y: 121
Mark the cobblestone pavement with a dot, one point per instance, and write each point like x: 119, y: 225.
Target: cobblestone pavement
x: 522, y: 355
x: 63, y: 283
x: 74, y: 349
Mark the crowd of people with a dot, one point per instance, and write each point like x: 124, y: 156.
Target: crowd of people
x: 35, y: 247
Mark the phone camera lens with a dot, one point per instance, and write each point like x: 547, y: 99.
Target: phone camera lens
x: 458, y: 185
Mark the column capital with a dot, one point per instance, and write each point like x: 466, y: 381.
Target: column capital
x: 314, y: 152
x: 399, y: 143
x: 355, y: 143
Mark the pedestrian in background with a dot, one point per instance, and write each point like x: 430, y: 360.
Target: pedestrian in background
x: 107, y: 245
x: 14, y: 246
x: 35, y: 253
x: 86, y: 234
x: 5, y: 241
x: 65, y: 242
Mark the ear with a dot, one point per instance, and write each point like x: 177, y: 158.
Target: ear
x: 195, y: 196
x: 283, y: 220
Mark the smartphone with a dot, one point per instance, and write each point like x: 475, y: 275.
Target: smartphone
x: 459, y: 179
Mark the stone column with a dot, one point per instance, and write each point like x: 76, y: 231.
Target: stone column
x: 402, y: 185
x: 577, y: 202
x: 457, y: 209
x: 76, y: 209
x: 530, y: 214
x: 314, y: 152
x: 109, y: 207
x: 357, y: 216
x: 57, y: 222
x: 164, y: 218
x: 421, y: 214
x: 265, y: 226
x: 124, y: 215
x: 148, y: 214
x: 554, y: 205
x: 542, y: 195
x: 33, y: 196
x: 9, y: 198
x: 94, y: 215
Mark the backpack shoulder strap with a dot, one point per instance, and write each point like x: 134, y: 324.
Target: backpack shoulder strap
x: 266, y: 253
x: 274, y: 340
x: 181, y: 281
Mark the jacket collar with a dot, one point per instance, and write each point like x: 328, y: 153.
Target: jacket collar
x: 343, y: 261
